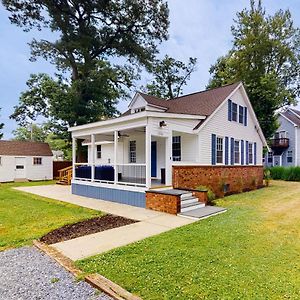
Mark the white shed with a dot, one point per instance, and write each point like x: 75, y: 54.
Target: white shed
x: 25, y: 160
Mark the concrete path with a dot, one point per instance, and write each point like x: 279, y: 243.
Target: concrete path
x: 152, y: 223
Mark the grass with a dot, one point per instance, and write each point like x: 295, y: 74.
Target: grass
x: 250, y: 252
x: 25, y: 217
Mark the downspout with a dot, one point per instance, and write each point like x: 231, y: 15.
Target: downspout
x: 296, y: 145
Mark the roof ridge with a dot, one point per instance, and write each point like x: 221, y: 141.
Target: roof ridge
x: 199, y: 92
x: 208, y: 90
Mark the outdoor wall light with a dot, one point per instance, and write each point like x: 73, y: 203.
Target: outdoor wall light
x: 162, y: 124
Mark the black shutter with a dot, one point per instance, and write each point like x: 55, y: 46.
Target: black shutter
x: 213, y: 149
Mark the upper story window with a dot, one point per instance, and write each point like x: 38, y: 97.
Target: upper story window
x: 99, y: 148
x: 136, y: 110
x: 250, y: 153
x: 241, y: 114
x: 237, y: 153
x: 281, y: 134
x: 289, y: 156
x: 37, y: 160
x: 219, y: 150
x: 176, y: 148
x: 234, y: 112
x: 132, y: 151
x: 237, y: 113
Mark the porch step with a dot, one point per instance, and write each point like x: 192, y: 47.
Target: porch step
x: 186, y: 195
x: 191, y: 206
x: 190, y: 199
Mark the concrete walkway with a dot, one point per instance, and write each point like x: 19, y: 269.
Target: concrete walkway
x: 152, y: 223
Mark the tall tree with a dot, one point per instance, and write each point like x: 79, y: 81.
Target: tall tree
x: 170, y: 76
x: 90, y: 33
x: 266, y: 57
x: 32, y: 132
x: 1, y: 127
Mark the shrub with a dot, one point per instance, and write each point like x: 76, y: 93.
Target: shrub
x: 285, y: 173
x: 210, y: 194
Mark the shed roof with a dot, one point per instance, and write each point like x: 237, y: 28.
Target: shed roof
x: 25, y: 148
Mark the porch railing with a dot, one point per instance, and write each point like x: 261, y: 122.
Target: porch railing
x: 127, y: 174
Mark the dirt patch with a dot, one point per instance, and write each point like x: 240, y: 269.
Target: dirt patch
x: 90, y: 226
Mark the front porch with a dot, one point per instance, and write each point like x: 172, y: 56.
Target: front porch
x: 125, y: 161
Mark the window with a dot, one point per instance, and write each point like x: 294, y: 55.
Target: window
x: 241, y: 114
x: 234, y: 112
x: 139, y: 109
x: 290, y: 156
x: 176, y: 148
x: 98, y: 151
x: 132, y: 151
x: 250, y: 153
x: 219, y: 150
x: 37, y: 160
x: 236, y: 152
x: 270, y: 157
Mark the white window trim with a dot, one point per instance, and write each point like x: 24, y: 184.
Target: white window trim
x: 250, y: 163
x: 223, y: 150
x: 240, y: 153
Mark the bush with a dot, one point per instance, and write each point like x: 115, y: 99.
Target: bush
x: 210, y: 194
x: 285, y: 173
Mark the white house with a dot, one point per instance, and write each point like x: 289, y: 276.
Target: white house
x: 24, y: 160
x: 140, y: 150
x: 285, y: 144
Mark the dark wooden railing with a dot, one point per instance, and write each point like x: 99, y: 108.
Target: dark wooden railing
x: 280, y: 143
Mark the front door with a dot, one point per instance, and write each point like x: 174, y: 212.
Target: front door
x: 20, y: 171
x: 153, y: 159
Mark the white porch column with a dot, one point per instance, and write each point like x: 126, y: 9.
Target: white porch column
x: 115, y: 156
x: 148, y: 156
x: 74, y: 141
x: 93, y: 157
x: 168, y: 155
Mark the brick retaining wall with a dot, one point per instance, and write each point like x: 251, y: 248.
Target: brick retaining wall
x: 163, y: 202
x: 236, y: 178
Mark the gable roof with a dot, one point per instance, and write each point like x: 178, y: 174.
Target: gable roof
x: 292, y: 115
x: 25, y: 148
x: 202, y: 103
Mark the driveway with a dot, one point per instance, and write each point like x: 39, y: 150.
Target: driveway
x: 26, y: 273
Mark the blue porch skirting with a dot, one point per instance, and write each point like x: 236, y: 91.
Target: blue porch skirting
x: 115, y: 195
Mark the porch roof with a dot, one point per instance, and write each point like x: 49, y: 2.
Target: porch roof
x: 135, y: 120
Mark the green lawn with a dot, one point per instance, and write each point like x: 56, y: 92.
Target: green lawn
x: 250, y: 252
x: 25, y: 217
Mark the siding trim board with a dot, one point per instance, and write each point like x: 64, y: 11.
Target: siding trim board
x: 114, y: 195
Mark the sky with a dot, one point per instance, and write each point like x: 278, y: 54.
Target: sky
x: 198, y: 28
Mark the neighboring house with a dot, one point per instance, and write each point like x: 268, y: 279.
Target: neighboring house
x: 58, y: 155
x: 24, y: 160
x: 285, y: 144
x: 209, y: 138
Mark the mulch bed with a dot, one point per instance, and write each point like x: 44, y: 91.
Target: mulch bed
x: 82, y: 228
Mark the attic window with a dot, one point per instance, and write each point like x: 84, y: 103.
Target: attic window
x: 136, y: 110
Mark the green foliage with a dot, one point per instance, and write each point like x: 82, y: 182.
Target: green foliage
x: 236, y: 255
x: 87, y: 36
x: 25, y: 217
x: 170, y: 76
x: 210, y: 194
x: 1, y: 127
x: 265, y: 56
x: 285, y: 173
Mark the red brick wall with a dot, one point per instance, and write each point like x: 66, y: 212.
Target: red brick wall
x: 239, y: 178
x: 162, y: 202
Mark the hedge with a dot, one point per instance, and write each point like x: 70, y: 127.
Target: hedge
x: 285, y: 173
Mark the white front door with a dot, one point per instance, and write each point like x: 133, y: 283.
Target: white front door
x: 20, y: 168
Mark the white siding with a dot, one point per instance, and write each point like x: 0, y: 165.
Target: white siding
x: 220, y: 126
x: 33, y: 172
